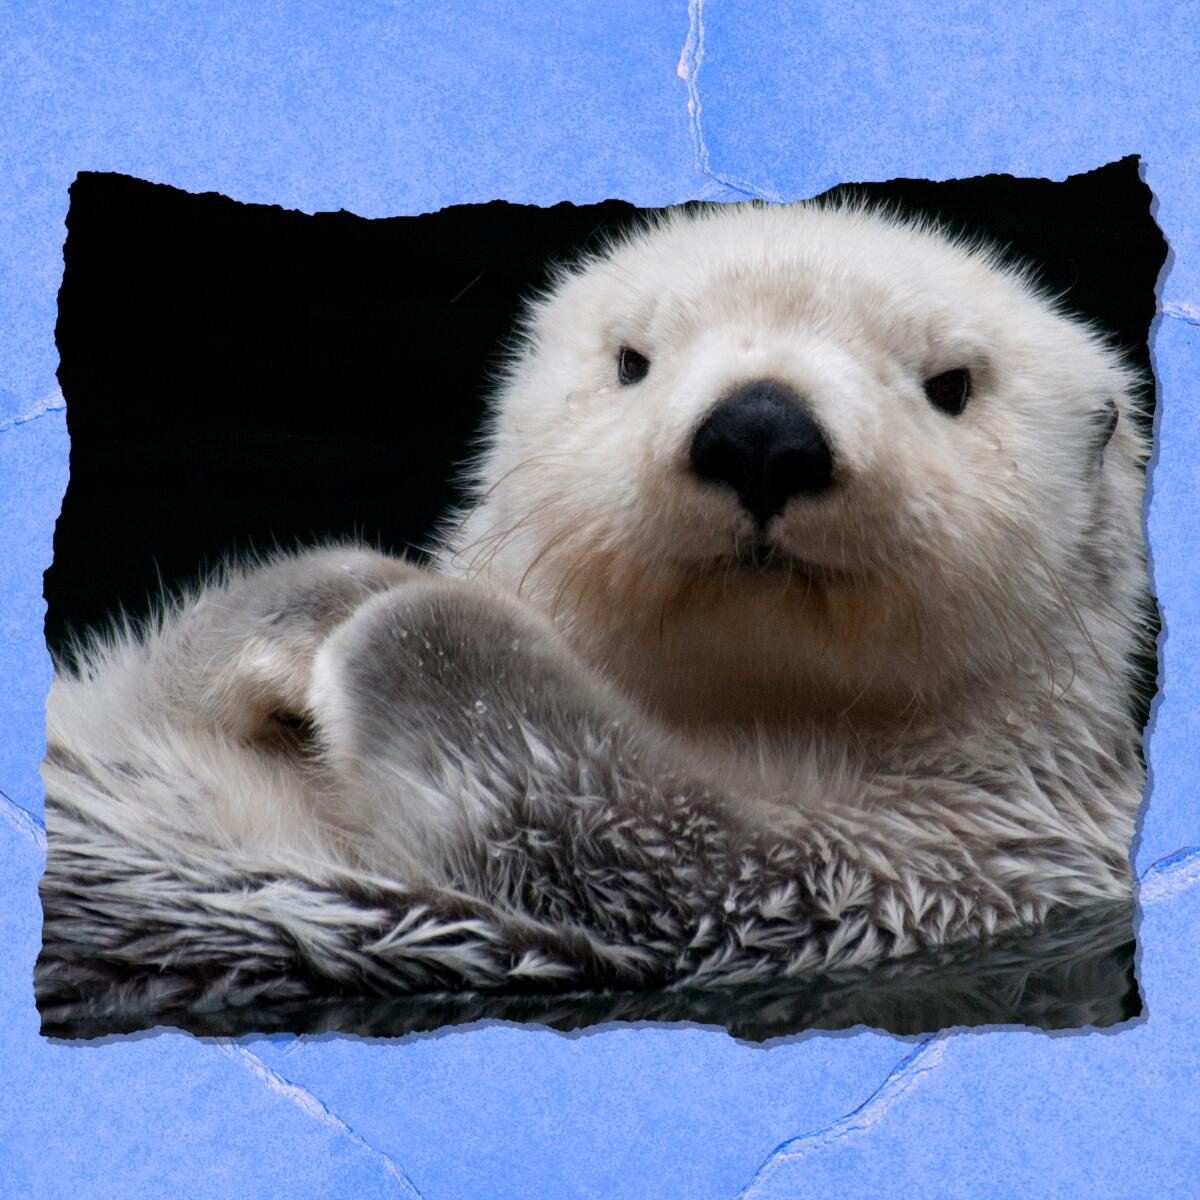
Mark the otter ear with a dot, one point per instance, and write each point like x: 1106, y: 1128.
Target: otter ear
x: 1106, y: 426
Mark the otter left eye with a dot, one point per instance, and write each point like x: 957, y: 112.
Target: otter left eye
x: 949, y: 391
x: 631, y: 366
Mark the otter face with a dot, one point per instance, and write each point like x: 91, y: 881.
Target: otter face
x: 778, y: 459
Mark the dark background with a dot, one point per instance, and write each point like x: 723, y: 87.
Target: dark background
x: 239, y: 376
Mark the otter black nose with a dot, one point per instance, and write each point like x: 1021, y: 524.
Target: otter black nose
x: 761, y: 442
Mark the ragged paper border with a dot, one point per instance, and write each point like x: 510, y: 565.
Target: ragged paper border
x: 386, y: 109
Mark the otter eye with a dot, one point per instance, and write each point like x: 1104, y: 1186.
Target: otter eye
x: 631, y: 366
x: 949, y: 391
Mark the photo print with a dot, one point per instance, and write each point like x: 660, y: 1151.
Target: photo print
x: 734, y: 614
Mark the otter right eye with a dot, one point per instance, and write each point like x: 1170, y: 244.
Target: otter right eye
x: 631, y: 366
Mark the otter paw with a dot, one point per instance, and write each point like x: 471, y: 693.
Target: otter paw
x: 242, y: 653
x: 442, y: 663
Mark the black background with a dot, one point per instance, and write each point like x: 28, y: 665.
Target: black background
x: 239, y: 376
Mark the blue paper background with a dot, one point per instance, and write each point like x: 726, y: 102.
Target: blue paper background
x: 402, y: 107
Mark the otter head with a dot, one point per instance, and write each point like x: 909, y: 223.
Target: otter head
x: 790, y: 462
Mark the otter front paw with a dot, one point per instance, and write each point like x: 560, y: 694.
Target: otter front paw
x: 240, y: 657
x: 446, y: 665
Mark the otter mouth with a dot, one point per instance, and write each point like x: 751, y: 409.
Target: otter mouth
x: 765, y: 559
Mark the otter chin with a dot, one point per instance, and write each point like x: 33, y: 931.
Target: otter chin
x: 758, y: 641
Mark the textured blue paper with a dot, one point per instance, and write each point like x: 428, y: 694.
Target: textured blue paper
x: 401, y: 108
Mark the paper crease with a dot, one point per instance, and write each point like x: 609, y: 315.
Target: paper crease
x: 52, y: 403
x: 691, y: 59
x: 315, y: 1108
x: 907, y: 1072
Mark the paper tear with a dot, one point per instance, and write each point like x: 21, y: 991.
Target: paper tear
x: 907, y: 1072
x: 312, y: 1107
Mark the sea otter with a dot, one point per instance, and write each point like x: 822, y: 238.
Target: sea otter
x: 791, y: 626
